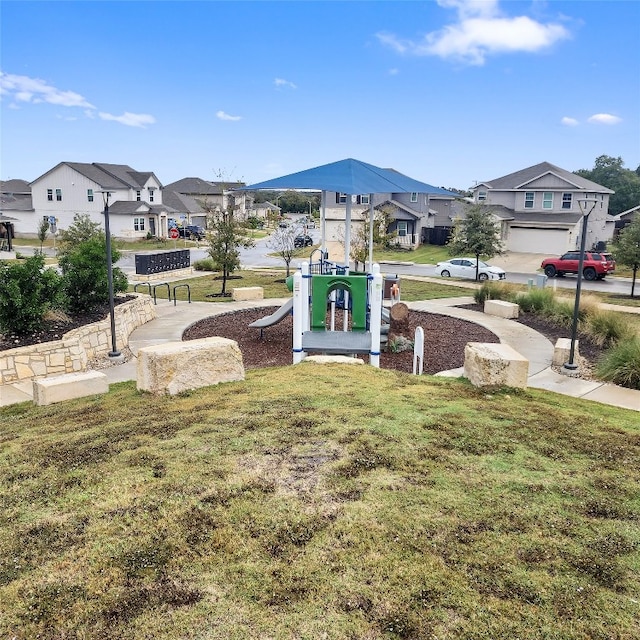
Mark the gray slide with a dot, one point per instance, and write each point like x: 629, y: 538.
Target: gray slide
x: 277, y: 316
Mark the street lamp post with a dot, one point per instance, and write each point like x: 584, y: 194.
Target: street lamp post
x: 586, y: 205
x: 114, y: 353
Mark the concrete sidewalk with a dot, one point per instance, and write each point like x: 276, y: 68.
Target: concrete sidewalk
x: 173, y: 319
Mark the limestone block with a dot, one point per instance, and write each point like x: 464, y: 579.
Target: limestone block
x: 490, y: 364
x: 501, y: 308
x: 69, y: 386
x: 173, y: 367
x: 334, y: 359
x: 247, y: 293
x: 561, y: 351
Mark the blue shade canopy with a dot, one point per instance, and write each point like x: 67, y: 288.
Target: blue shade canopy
x: 352, y: 177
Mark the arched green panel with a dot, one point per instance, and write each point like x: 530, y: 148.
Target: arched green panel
x: 323, y: 285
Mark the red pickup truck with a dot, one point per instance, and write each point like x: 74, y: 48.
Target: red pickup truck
x: 596, y: 264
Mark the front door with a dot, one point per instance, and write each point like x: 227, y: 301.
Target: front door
x: 152, y: 225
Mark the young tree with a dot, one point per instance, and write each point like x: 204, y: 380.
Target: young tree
x: 225, y: 236
x: 627, y: 248
x: 382, y: 237
x: 477, y: 234
x: 43, y: 231
x: 82, y: 228
x: 282, y: 242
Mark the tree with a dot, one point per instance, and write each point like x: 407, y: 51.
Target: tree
x: 359, y: 246
x: 82, y: 228
x: 477, y: 234
x: 84, y: 275
x: 610, y: 172
x: 282, y: 241
x: 43, y: 231
x: 27, y: 292
x: 225, y: 236
x: 626, y: 248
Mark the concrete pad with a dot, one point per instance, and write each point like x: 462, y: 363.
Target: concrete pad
x: 552, y: 381
x: 12, y: 394
x: 247, y: 293
x: 616, y: 396
x: 68, y: 387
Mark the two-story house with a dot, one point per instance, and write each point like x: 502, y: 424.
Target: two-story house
x: 135, y: 198
x: 538, y: 210
x: 210, y: 196
x: 15, y: 203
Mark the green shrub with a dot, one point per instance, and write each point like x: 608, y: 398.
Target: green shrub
x: 621, y: 365
x: 607, y: 328
x: 206, y: 264
x: 536, y: 300
x: 84, y: 275
x: 27, y: 292
x: 562, y: 313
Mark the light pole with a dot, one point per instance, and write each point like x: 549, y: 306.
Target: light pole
x: 587, y: 205
x: 114, y: 353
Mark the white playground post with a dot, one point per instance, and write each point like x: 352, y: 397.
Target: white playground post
x: 300, y: 310
x: 375, y: 302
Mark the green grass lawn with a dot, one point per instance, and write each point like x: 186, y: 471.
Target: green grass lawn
x: 316, y: 501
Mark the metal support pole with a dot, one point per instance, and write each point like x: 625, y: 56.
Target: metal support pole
x: 586, y: 206
x: 114, y: 353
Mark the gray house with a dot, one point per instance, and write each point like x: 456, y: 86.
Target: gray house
x: 538, y: 211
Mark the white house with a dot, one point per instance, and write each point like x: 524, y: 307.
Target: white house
x: 135, y: 199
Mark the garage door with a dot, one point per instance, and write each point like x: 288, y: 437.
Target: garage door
x: 530, y: 240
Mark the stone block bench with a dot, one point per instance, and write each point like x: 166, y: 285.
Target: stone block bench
x: 501, y: 308
x: 69, y: 386
x: 247, y: 293
x: 174, y: 367
x: 561, y: 351
x: 488, y: 364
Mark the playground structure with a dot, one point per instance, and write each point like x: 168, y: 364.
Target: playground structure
x: 361, y: 299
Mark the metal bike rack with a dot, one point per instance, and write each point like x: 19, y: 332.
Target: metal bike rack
x: 139, y: 284
x: 161, y: 284
x: 175, y: 300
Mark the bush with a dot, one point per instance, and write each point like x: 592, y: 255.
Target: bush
x: 536, y: 300
x: 84, y: 276
x: 621, y: 365
x: 608, y: 327
x: 27, y: 292
x: 206, y: 264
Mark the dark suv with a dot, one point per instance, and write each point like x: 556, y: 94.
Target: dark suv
x: 596, y: 264
x: 192, y: 231
x: 302, y: 241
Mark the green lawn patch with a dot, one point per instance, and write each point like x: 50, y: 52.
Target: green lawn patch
x: 320, y: 501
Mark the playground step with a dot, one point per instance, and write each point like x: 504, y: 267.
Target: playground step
x: 336, y: 342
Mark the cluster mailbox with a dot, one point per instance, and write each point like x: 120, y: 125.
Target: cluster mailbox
x: 148, y: 263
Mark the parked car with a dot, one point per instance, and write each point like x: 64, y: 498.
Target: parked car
x: 302, y: 241
x: 466, y: 268
x: 192, y: 231
x: 595, y: 265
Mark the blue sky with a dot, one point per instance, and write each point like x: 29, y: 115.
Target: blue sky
x: 449, y: 92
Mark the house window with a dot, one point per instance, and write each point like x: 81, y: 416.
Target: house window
x: 529, y: 198
x: 363, y: 199
x: 138, y: 224
x: 482, y: 196
x: 59, y: 195
x: 566, y: 200
x: 151, y: 192
x: 547, y: 200
x: 90, y: 195
x: 341, y: 198
x: 138, y: 196
x: 50, y: 195
x: 402, y: 228
x: 414, y: 196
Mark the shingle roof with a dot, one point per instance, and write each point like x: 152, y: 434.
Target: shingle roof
x: 195, y: 186
x: 109, y: 176
x: 14, y: 186
x: 181, y: 202
x: 519, y: 179
x: 131, y: 207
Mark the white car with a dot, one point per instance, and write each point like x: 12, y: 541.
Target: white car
x: 466, y: 268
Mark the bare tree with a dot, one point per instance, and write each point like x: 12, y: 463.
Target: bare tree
x: 282, y: 242
x: 43, y: 232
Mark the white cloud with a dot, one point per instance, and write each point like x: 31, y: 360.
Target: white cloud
x: 481, y: 31
x: 279, y: 82
x: 394, y: 72
x: 34, y: 90
x: 604, y: 118
x: 221, y: 115
x: 130, y: 119
x: 569, y: 122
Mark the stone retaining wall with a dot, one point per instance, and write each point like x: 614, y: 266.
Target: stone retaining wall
x: 73, y: 352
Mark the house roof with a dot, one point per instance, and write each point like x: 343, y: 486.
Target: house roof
x: 200, y: 187
x: 14, y: 201
x: 411, y: 213
x: 108, y: 176
x: 131, y: 207
x: 181, y: 202
x: 519, y: 179
x: 14, y: 186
